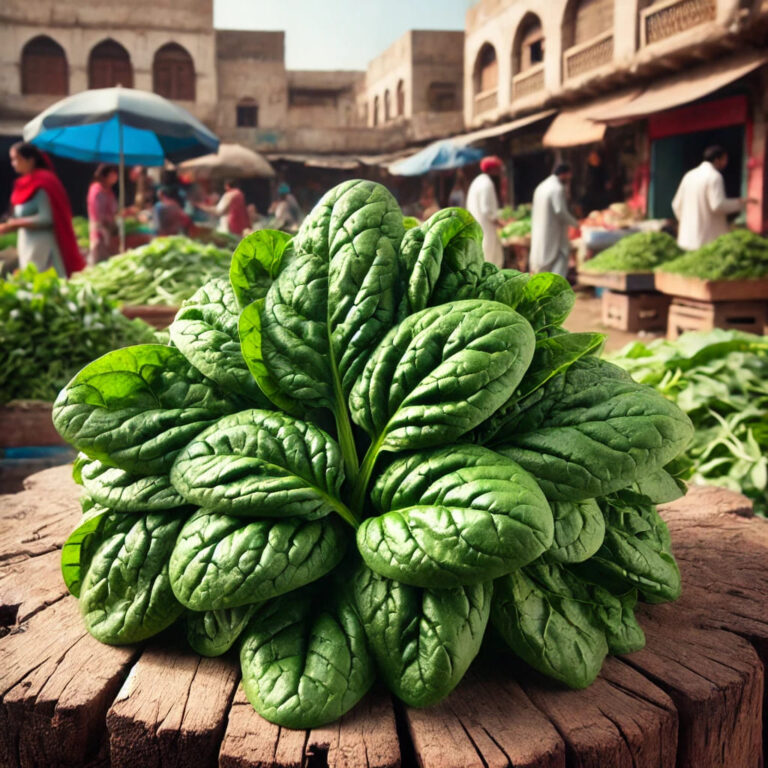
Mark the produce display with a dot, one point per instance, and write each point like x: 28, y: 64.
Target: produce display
x: 615, y: 216
x: 640, y: 252
x: 359, y: 451
x: 517, y: 221
x: 165, y: 271
x: 8, y: 240
x: 516, y: 229
x: 50, y: 328
x: 720, y: 379
x: 522, y: 211
x: 737, y: 255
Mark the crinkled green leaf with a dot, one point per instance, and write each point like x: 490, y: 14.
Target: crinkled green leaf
x: 76, y: 551
x: 440, y: 373
x: 136, y: 408
x: 126, y: 594
x: 122, y: 491
x: 256, y: 263
x: 547, y: 300
x: 212, y: 633
x: 659, y: 487
x: 592, y: 431
x: 305, y: 659
x: 627, y: 636
x: 262, y: 464
x: 221, y: 561
x: 442, y: 259
x: 506, y: 286
x: 423, y: 640
x: 205, y: 331
x: 579, y: 530
x: 453, y: 516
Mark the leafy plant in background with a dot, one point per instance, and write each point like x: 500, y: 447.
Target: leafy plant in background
x: 165, y: 272
x: 641, y: 252
x: 360, y: 451
x: 720, y: 379
x: 50, y: 328
x: 737, y: 255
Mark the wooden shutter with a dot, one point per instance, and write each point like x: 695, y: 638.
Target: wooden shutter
x: 109, y: 65
x: 44, y: 67
x: 174, y: 73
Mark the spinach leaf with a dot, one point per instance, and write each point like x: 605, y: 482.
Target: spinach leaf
x: 423, y: 640
x: 454, y: 516
x: 626, y: 635
x: 213, y: 633
x: 553, y: 621
x: 305, y: 659
x: 437, y: 375
x: 262, y: 464
x: 579, y: 531
x: 547, y: 300
x: 136, y: 408
x: 78, y: 547
x: 123, y: 492
x: 442, y: 259
x: 256, y: 263
x: 506, y: 286
x: 126, y: 594
x: 205, y: 331
x: 659, y: 487
x: 592, y: 430
x: 333, y: 302
x: 221, y: 561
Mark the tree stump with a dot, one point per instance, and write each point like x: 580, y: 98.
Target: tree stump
x: 693, y: 698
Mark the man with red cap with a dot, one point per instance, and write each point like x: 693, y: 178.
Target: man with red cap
x: 483, y: 204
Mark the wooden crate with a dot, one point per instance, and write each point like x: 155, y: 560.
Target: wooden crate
x: 635, y: 312
x: 626, y: 282
x: 159, y: 317
x: 711, y: 290
x: 27, y: 422
x: 692, y: 315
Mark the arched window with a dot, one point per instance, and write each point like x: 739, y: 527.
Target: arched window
x: 109, y: 65
x: 486, y: 75
x: 387, y: 107
x: 400, y: 98
x: 44, y: 67
x: 584, y: 20
x: 247, y: 113
x: 528, y: 47
x: 375, y: 111
x: 173, y: 73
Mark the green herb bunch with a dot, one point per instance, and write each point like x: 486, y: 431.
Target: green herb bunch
x: 359, y: 451
x: 50, y: 328
x: 641, y: 252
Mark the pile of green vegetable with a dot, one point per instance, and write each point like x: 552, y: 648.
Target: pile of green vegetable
x: 519, y: 228
x: 720, y: 379
x: 359, y: 451
x: 737, y: 255
x: 8, y: 240
x: 522, y: 211
x: 641, y: 252
x: 50, y: 328
x: 166, y: 271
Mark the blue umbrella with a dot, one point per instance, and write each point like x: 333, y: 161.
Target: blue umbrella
x: 120, y: 125
x: 441, y: 155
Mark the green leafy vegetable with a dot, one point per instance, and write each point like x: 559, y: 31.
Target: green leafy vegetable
x: 256, y: 263
x: 212, y: 633
x: 641, y: 252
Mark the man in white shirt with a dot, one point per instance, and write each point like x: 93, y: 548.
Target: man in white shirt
x: 700, y: 204
x: 550, y: 220
x: 483, y: 204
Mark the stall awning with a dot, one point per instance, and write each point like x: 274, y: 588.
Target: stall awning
x: 682, y: 88
x: 340, y: 162
x: 499, y: 130
x: 574, y: 127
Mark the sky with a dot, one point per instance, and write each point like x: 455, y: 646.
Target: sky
x: 338, y: 34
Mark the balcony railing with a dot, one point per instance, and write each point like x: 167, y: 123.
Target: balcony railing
x: 529, y: 82
x: 595, y: 53
x: 486, y: 101
x: 674, y: 16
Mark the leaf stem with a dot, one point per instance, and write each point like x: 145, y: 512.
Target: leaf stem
x: 366, y: 469
x: 347, y: 444
x: 344, y: 512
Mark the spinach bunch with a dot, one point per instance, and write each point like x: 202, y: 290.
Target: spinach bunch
x: 359, y: 451
x: 737, y: 255
x: 720, y: 379
x: 50, y: 328
x: 641, y: 252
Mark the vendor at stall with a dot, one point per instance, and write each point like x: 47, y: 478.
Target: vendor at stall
x: 483, y: 204
x: 700, y: 204
x: 551, y: 218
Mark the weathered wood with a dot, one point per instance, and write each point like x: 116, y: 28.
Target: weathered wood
x: 27, y: 422
x: 171, y: 709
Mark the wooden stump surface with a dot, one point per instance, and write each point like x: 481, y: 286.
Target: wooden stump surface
x: 693, y: 698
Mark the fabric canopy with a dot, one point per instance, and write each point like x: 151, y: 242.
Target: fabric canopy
x: 681, y: 89
x: 441, y: 155
x: 574, y: 127
x: 499, y: 130
x: 232, y: 160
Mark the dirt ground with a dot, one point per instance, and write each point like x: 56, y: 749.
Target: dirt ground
x: 585, y: 316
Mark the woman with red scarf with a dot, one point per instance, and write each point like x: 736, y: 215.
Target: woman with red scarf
x: 41, y: 214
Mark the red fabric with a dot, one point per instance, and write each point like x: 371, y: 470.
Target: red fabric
x: 26, y: 186
x: 490, y: 163
x: 237, y: 214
